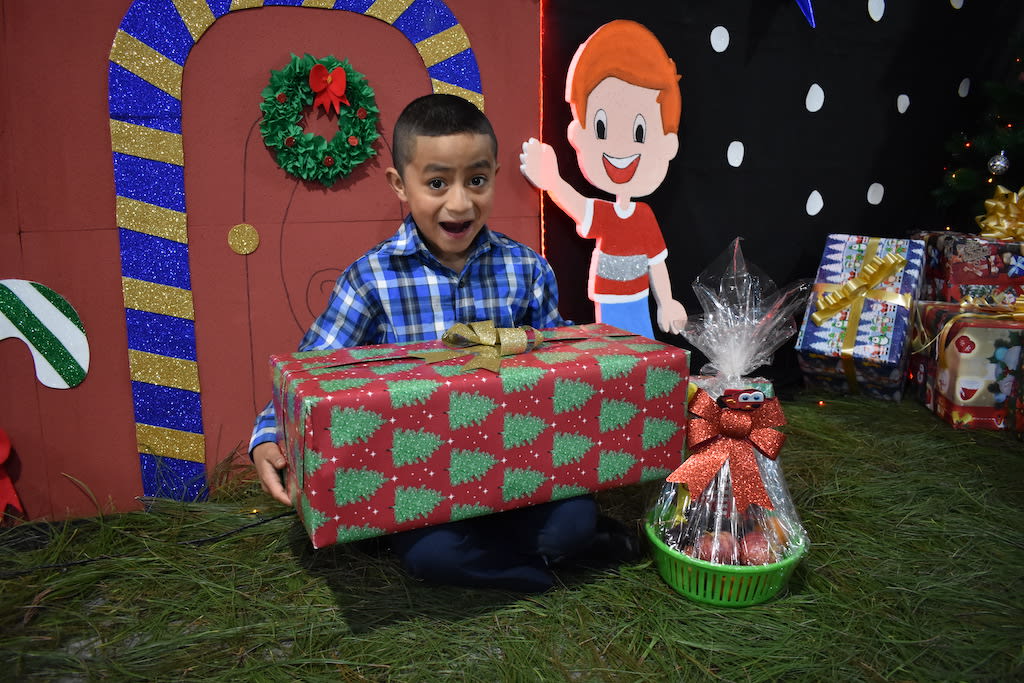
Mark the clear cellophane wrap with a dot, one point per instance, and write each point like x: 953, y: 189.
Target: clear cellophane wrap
x: 728, y: 503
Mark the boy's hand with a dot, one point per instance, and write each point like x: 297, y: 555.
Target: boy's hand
x: 271, y: 466
x: 539, y: 164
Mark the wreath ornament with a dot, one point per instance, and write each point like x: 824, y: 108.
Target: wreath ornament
x: 332, y: 85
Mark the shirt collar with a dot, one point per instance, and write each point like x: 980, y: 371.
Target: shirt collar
x: 409, y: 241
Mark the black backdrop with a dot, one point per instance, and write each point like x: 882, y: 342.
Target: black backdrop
x: 754, y: 92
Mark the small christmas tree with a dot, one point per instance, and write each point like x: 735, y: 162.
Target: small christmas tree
x: 991, y: 154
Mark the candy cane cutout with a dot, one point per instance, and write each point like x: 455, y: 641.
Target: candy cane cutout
x: 50, y: 328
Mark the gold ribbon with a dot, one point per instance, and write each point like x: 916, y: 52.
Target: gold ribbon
x: 1004, y: 216
x: 979, y: 307
x: 485, y: 342
x: 851, y: 294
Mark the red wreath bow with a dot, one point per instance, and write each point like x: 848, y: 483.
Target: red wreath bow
x: 329, y: 87
x: 718, y: 435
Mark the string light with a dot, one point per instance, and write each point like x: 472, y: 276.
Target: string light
x: 821, y: 404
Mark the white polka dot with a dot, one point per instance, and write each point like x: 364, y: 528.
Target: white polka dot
x: 957, y: 4
x: 720, y: 38
x: 965, y: 87
x: 903, y: 103
x: 876, y: 8
x: 735, y: 153
x: 815, y: 98
x: 875, y: 193
x: 814, y: 203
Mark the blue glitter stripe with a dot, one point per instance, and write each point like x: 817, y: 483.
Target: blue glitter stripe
x: 460, y: 70
x: 152, y: 182
x: 154, y: 259
x: 164, y: 335
x: 167, y: 407
x: 158, y: 24
x: 354, y: 5
x: 137, y: 101
x: 173, y: 478
x: 219, y: 7
x: 425, y: 18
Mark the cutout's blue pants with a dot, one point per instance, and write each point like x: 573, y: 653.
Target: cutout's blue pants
x: 632, y: 316
x: 508, y: 550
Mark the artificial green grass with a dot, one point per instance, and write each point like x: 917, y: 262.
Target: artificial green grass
x: 914, y: 573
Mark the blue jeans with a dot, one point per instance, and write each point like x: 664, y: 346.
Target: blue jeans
x: 508, y: 550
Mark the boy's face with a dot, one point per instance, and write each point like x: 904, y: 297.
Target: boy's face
x: 623, y: 150
x: 449, y: 186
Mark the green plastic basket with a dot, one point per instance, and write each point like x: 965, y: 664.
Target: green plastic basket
x: 717, y: 584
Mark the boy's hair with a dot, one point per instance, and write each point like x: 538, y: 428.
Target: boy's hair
x: 628, y: 51
x: 433, y: 116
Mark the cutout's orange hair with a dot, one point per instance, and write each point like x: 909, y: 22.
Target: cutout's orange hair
x: 628, y: 51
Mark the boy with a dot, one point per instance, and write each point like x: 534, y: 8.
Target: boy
x: 445, y: 266
x: 623, y: 92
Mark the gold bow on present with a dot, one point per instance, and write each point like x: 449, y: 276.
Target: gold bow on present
x: 851, y: 295
x: 1004, y: 216
x: 485, y: 342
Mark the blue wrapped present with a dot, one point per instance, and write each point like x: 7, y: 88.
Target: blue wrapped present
x: 857, y: 326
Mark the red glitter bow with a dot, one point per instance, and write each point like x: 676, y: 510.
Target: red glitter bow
x: 329, y: 87
x: 8, y: 495
x: 718, y: 435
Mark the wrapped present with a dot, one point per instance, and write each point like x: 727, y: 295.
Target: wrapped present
x: 386, y: 438
x: 967, y: 364
x: 855, y: 333
x: 724, y: 529
x: 959, y: 265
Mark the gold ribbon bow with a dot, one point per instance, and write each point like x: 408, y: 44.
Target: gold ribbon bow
x: 1004, y: 216
x: 485, y: 342
x: 851, y: 294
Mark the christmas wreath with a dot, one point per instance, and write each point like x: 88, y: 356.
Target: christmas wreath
x: 332, y: 85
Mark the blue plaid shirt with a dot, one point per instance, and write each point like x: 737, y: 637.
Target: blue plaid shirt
x: 399, y: 293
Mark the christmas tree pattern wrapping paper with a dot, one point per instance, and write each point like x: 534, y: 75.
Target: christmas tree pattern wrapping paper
x: 380, y: 441
x: 855, y: 332
x: 959, y: 265
x: 967, y: 366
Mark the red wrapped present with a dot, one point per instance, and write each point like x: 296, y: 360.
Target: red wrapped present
x: 958, y: 265
x: 967, y: 363
x: 387, y: 438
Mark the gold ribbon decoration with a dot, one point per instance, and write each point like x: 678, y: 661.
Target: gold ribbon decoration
x: 834, y: 298
x: 972, y: 307
x: 1004, y: 216
x: 485, y: 342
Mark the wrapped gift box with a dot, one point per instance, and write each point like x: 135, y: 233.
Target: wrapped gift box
x: 855, y: 333
x: 968, y: 366
x: 958, y: 265
x: 381, y: 441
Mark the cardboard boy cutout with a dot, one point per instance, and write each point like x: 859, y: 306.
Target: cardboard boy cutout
x: 623, y: 91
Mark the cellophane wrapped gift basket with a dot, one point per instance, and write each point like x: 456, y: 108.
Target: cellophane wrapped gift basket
x: 724, y: 529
